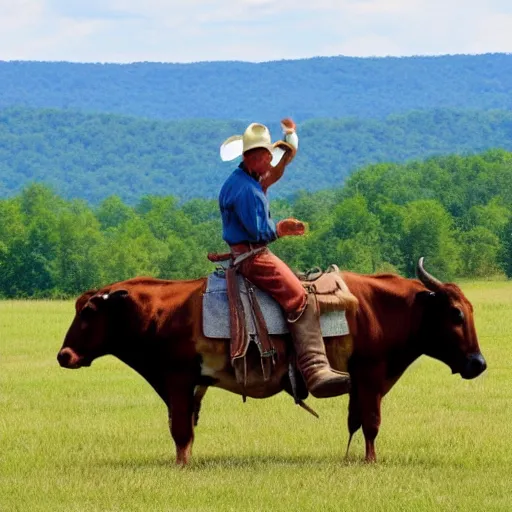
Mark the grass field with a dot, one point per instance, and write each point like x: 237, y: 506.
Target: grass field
x: 96, y: 439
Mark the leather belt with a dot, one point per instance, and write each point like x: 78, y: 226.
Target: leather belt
x: 240, y: 252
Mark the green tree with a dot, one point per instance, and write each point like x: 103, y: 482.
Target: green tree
x: 12, y: 238
x: 429, y: 232
x: 392, y: 236
x: 112, y: 212
x: 493, y: 216
x: 163, y: 216
x: 351, y: 225
x: 183, y: 260
x: 480, y: 250
x: 33, y: 256
x: 131, y: 250
x: 77, y: 260
x: 506, y: 253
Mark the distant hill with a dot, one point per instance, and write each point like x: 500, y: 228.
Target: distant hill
x: 305, y: 89
x: 92, y: 156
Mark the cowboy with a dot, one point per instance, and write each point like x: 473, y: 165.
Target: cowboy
x: 248, y: 229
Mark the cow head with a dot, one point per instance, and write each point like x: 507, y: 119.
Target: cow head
x: 95, y: 329
x: 448, y: 329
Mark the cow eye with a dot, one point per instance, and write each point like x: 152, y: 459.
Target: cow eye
x: 457, y: 316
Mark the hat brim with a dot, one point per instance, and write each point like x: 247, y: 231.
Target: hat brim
x: 233, y: 148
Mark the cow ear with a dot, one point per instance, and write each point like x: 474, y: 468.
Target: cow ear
x: 104, y: 299
x: 83, y: 299
x: 116, y: 295
x: 115, y: 301
x: 101, y: 302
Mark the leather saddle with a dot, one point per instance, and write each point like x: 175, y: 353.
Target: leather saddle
x: 254, y: 316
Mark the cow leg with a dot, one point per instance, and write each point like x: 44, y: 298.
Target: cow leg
x: 199, y: 393
x: 354, y: 415
x: 181, y: 416
x: 370, y: 385
x: 370, y: 401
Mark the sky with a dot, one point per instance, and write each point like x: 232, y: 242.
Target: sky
x: 248, y: 30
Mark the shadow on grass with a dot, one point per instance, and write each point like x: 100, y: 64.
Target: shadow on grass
x: 251, y: 461
x: 200, y: 463
x: 237, y: 461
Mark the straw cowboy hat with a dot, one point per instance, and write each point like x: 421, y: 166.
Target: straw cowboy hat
x: 255, y: 136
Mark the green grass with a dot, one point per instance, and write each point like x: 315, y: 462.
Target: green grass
x: 96, y: 439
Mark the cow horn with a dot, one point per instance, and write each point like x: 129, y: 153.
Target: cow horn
x: 427, y: 279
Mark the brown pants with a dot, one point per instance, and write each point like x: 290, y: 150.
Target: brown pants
x: 270, y: 274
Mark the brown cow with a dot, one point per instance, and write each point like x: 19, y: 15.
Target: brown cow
x: 154, y: 326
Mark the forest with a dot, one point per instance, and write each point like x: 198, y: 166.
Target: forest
x: 108, y: 171
x: 94, y: 156
x: 304, y: 89
x: 454, y: 210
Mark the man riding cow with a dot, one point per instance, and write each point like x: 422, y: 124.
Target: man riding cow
x: 248, y: 229
x: 156, y: 326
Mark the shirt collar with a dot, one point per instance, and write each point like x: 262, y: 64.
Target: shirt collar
x: 253, y: 175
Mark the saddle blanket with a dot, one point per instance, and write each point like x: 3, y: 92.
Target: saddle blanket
x: 216, y: 312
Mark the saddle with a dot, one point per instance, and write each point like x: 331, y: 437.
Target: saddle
x: 234, y: 308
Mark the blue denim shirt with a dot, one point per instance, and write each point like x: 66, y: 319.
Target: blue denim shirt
x: 245, y: 210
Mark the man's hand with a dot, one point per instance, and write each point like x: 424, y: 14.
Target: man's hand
x: 288, y: 125
x: 290, y: 227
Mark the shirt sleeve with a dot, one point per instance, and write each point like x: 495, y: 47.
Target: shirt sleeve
x: 253, y: 213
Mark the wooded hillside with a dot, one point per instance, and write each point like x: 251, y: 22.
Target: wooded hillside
x: 93, y: 156
x: 304, y: 88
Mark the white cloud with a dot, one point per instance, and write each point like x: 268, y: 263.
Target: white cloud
x: 253, y: 30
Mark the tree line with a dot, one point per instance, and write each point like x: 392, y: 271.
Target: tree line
x: 456, y: 211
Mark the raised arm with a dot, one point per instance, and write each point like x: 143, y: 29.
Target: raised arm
x: 289, y: 146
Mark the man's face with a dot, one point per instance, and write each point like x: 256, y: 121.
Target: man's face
x: 258, y: 161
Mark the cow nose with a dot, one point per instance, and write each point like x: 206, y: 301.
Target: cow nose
x: 68, y: 358
x: 475, y: 365
x: 63, y: 357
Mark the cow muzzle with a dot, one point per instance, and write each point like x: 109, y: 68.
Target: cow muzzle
x: 68, y: 358
x: 475, y: 365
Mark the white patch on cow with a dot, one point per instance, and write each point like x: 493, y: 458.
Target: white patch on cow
x: 208, y: 371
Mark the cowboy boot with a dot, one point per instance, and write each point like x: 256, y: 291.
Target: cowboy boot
x: 321, y: 380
